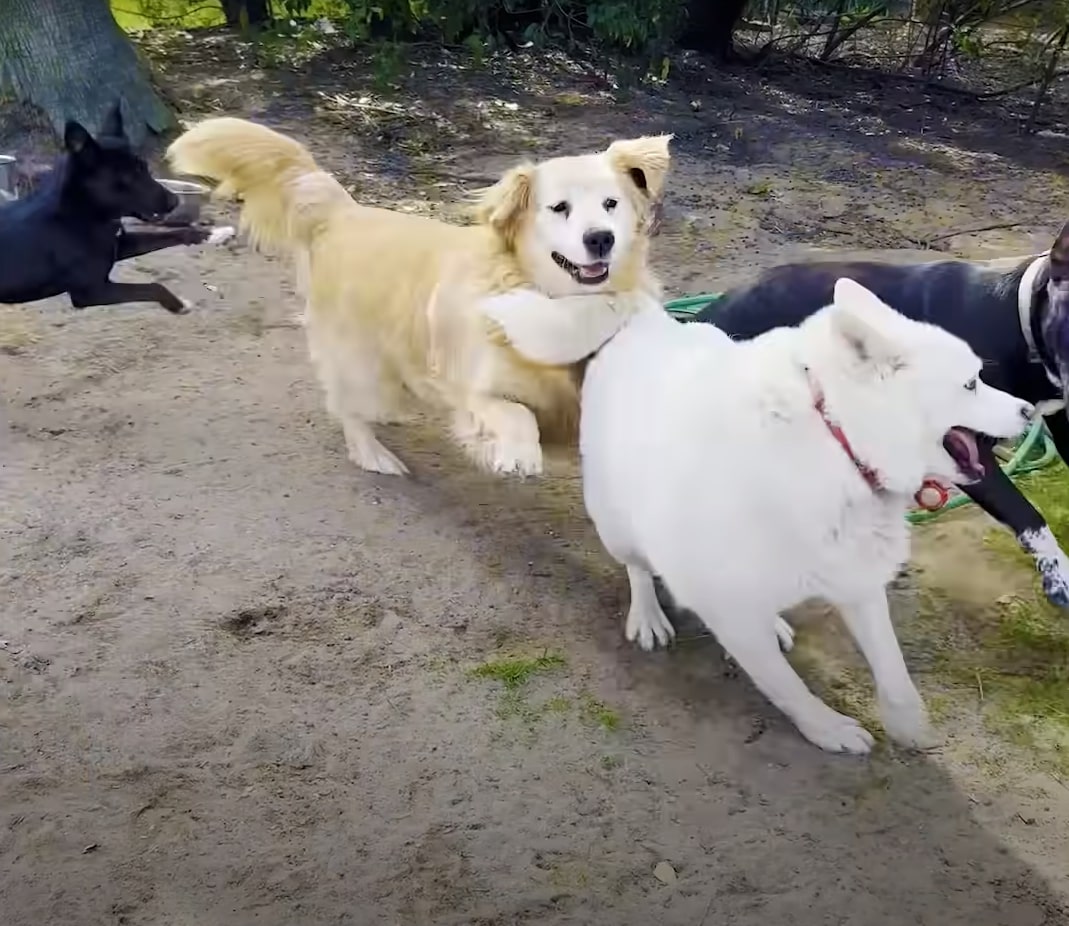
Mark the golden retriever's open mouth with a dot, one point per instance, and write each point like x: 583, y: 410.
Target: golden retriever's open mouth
x: 587, y: 274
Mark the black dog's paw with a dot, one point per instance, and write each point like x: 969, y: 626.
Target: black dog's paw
x: 195, y: 235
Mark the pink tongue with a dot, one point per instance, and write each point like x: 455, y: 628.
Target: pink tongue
x: 966, y: 444
x: 592, y: 270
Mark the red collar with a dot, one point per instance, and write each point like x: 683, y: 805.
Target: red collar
x: 871, y: 476
x: 923, y: 496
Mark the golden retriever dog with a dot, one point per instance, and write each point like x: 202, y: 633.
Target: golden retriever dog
x: 402, y: 307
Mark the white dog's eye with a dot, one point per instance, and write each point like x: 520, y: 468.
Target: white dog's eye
x: 561, y: 208
x: 609, y: 205
x: 971, y: 385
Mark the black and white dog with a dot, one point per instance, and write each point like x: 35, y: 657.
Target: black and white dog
x: 1016, y: 321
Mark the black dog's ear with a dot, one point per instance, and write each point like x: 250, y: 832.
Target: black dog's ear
x: 112, y: 127
x: 76, y: 139
x: 1059, y: 257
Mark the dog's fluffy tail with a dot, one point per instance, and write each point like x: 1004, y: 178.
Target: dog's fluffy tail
x: 286, y: 198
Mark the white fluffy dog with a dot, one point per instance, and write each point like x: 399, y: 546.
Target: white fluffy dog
x: 752, y: 476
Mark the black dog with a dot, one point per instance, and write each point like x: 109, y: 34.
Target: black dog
x: 67, y: 235
x: 1016, y: 321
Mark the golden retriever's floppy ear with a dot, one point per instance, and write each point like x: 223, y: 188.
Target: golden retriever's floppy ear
x: 502, y: 205
x: 645, y: 160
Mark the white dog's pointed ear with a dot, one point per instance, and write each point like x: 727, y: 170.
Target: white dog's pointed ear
x: 645, y: 161
x: 859, y: 316
x: 503, y: 205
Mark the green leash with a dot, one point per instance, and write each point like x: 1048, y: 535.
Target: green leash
x: 1032, y: 452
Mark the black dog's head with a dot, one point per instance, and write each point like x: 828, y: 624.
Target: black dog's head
x: 1056, y: 319
x: 110, y: 177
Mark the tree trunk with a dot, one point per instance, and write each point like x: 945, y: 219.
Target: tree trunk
x: 256, y: 12
x: 711, y: 26
x: 71, y: 59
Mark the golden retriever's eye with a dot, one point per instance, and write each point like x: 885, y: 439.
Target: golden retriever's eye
x: 561, y: 208
x: 970, y: 386
x: 610, y: 204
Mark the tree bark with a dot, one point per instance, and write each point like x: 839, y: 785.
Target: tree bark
x: 257, y: 12
x: 70, y: 59
x: 711, y: 26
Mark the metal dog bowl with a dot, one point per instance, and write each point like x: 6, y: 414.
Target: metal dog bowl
x: 7, y: 177
x: 191, y: 199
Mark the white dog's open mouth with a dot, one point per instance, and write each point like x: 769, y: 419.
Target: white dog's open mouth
x: 961, y: 444
x: 587, y: 274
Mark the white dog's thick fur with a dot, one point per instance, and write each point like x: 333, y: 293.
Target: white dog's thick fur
x: 708, y: 463
x: 402, y: 307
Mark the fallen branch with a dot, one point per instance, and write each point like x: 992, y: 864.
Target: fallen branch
x: 973, y: 231
x: 925, y: 244
x: 1006, y: 91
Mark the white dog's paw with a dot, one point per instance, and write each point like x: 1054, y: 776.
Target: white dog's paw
x: 648, y: 626
x: 906, y: 722
x: 187, y: 306
x: 785, y: 633
x: 835, y: 732
x: 221, y: 234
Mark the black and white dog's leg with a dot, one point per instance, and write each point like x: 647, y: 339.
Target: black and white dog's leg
x: 136, y: 243
x: 1051, y: 559
x: 1001, y: 499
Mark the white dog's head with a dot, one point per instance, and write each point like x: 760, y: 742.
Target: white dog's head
x: 579, y: 224
x: 911, y: 395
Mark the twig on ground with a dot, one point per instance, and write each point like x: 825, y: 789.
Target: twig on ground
x: 925, y: 244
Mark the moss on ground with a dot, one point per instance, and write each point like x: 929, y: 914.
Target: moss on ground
x: 515, y: 672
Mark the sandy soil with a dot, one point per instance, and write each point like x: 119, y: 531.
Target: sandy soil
x: 237, y: 674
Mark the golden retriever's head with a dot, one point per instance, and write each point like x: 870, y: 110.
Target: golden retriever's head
x: 578, y: 224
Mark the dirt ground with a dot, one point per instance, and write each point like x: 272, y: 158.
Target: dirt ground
x: 243, y: 682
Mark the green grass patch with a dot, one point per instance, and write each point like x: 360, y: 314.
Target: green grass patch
x: 1037, y: 634
x: 1048, y: 490
x: 557, y: 705
x: 515, y: 672
x: 597, y: 713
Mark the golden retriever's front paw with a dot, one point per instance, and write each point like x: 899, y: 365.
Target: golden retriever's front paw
x: 509, y: 458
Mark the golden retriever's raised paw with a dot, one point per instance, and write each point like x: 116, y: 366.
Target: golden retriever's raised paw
x: 500, y: 436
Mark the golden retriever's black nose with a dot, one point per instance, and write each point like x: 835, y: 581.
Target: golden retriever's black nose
x: 599, y: 241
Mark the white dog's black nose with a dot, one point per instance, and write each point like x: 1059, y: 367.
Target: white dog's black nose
x: 599, y: 241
